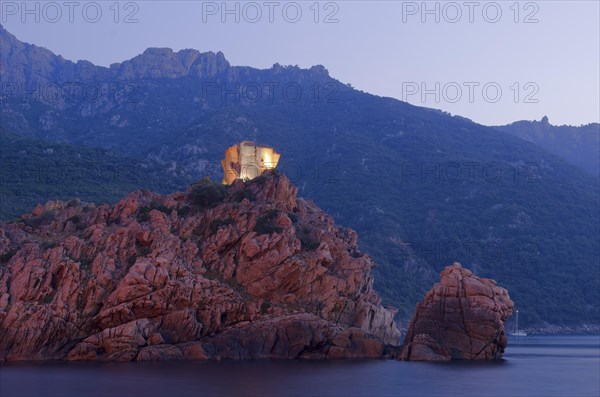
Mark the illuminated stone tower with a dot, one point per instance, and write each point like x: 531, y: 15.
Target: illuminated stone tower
x: 246, y: 161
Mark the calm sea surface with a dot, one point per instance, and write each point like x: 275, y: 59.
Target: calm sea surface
x: 539, y: 366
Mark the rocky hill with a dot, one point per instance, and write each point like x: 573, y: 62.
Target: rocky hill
x: 248, y: 271
x: 461, y: 318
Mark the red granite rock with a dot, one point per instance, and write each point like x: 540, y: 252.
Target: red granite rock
x: 461, y: 318
x: 154, y: 278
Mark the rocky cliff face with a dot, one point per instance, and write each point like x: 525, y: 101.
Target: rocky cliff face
x: 250, y: 271
x: 164, y: 63
x: 461, y: 318
x: 30, y: 65
x: 26, y: 63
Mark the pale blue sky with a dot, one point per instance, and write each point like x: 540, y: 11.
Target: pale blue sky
x: 382, y: 47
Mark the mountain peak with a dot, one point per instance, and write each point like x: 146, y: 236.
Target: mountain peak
x: 158, y: 51
x: 315, y: 70
x: 165, y: 63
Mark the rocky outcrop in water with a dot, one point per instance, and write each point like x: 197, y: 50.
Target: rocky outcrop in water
x: 247, y: 271
x: 461, y: 318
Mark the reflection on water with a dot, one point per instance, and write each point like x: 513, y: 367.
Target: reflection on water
x: 537, y: 366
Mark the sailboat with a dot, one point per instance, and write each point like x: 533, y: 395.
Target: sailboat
x: 517, y: 332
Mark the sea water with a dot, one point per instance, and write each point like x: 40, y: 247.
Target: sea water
x: 532, y: 366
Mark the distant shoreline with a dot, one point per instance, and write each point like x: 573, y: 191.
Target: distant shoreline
x: 552, y: 330
x: 573, y: 331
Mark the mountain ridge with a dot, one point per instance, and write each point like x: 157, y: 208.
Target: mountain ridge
x: 154, y: 62
x: 580, y: 145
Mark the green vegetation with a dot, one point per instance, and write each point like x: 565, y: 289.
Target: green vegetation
x: 48, y: 245
x: 260, y: 180
x: 34, y: 171
x: 86, y: 262
x: 75, y: 219
x: 265, y: 306
x: 184, y: 211
x: 240, y: 195
x: 142, y: 250
x: 46, y: 299
x: 73, y: 203
x: 44, y: 218
x: 5, y: 257
x: 143, y: 214
x: 265, y: 223
x: 293, y: 217
x: 216, y: 224
x: 131, y: 260
x: 206, y: 194
x: 309, y: 243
